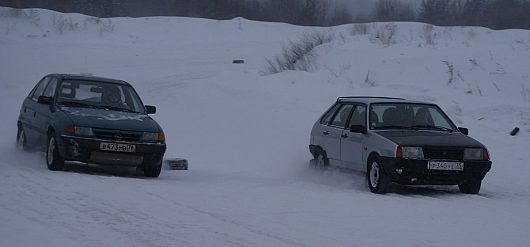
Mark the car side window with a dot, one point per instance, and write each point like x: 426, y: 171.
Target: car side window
x: 50, y: 89
x: 326, y: 119
x: 40, y: 88
x: 341, y: 118
x: 359, y: 116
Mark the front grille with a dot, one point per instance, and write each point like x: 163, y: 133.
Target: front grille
x: 443, y: 153
x: 117, y: 136
x: 119, y: 159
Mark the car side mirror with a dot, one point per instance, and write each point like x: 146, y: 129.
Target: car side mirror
x: 45, y: 100
x: 358, y: 129
x: 464, y: 131
x: 150, y: 109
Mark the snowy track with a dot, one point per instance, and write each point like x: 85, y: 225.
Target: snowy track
x: 246, y: 136
x: 91, y: 206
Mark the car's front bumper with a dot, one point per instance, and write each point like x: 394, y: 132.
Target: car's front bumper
x: 406, y: 171
x: 86, y: 149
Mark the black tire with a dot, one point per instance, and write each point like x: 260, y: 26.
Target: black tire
x: 377, y: 179
x: 152, y: 171
x: 54, y: 160
x: 21, y: 140
x: 470, y: 187
x: 321, y: 161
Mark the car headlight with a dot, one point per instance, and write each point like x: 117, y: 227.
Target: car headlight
x: 83, y: 131
x: 153, y: 136
x: 474, y: 154
x: 409, y: 152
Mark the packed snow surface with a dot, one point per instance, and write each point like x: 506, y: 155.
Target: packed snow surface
x: 245, y: 134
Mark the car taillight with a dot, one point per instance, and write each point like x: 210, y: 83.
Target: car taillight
x: 70, y: 129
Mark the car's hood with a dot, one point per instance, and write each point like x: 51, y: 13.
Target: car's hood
x: 108, y: 119
x: 429, y: 138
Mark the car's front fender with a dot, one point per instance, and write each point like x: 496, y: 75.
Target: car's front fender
x: 380, y: 145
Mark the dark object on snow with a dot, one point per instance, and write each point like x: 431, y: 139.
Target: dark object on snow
x: 514, y: 131
x: 238, y: 61
x: 177, y: 164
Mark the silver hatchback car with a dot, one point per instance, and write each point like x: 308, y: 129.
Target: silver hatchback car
x: 400, y: 141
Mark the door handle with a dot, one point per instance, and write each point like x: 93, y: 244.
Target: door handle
x: 325, y: 133
x: 35, y: 114
x: 344, y: 136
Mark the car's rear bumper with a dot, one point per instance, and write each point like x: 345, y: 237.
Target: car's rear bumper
x: 85, y: 149
x: 405, y: 171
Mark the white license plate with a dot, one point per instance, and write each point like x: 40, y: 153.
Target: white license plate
x: 446, y: 165
x: 117, y: 147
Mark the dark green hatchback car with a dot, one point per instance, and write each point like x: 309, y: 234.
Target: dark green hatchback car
x: 93, y: 120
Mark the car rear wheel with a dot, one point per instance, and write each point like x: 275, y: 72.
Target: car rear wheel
x: 377, y: 178
x: 470, y: 187
x: 53, y: 158
x: 21, y: 140
x: 153, y: 171
x: 321, y: 161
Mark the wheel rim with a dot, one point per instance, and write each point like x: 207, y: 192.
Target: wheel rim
x: 51, y: 150
x: 374, y: 174
x: 320, y: 161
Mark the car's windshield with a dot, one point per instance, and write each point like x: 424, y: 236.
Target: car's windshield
x: 408, y: 116
x: 79, y: 93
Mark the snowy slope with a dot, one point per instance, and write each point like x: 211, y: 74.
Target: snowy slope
x: 246, y: 134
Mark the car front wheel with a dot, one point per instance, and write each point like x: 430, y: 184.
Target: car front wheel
x: 153, y: 171
x: 53, y: 158
x: 470, y: 187
x: 378, y: 180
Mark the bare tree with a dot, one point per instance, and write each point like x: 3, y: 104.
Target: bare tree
x: 340, y: 15
x: 393, y: 10
x: 497, y: 14
x: 434, y: 11
x: 473, y: 12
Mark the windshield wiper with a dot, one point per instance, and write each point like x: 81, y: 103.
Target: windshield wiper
x: 394, y: 127
x: 432, y: 127
x: 75, y: 104
x: 114, y: 108
x: 81, y: 104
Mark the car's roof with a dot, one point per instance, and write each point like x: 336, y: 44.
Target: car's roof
x: 376, y: 99
x: 88, y: 77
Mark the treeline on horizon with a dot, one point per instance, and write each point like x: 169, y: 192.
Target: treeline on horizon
x: 495, y: 14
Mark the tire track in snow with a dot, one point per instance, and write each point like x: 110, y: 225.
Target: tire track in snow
x: 57, y: 208
x: 225, y: 219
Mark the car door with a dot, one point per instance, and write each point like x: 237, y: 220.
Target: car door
x: 334, y: 131
x: 319, y: 133
x: 352, y: 144
x: 43, y: 113
x: 29, y: 110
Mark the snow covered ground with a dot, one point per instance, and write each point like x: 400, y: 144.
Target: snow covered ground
x: 245, y: 134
